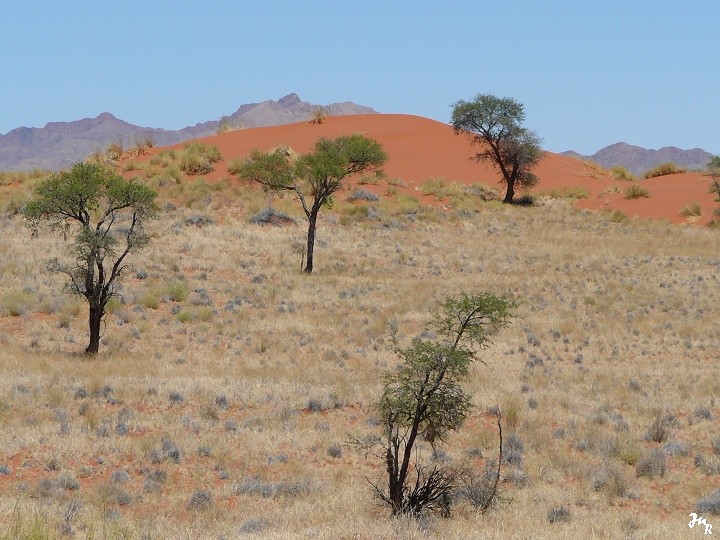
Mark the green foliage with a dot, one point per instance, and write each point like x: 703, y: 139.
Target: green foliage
x: 441, y: 189
x: 663, y: 169
x: 177, y: 291
x: 636, y: 191
x: 425, y: 397
x: 496, y: 125
x: 619, y: 172
x: 196, y: 158
x: 107, y: 214
x: 713, y: 168
x: 616, y: 216
x: 16, y: 303
x: 314, y: 177
x: 691, y: 210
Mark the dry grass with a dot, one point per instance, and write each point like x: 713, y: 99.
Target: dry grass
x: 233, y: 419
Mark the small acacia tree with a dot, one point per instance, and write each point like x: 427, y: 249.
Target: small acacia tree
x: 108, y: 213
x: 425, y: 398
x: 496, y: 124
x: 316, y: 176
x: 713, y: 168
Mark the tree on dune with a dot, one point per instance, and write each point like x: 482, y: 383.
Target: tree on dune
x: 496, y: 124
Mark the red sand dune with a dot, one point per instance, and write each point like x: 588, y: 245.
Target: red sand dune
x: 420, y: 149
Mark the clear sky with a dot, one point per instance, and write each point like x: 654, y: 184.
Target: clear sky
x: 590, y: 73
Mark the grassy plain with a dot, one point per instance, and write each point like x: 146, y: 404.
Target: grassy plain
x: 229, y: 383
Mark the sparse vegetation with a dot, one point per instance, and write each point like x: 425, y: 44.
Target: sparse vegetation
x: 636, y: 191
x: 566, y: 193
x: 319, y: 115
x: 196, y: 158
x: 691, y: 210
x: 663, y: 169
x: 619, y: 172
x: 614, y: 330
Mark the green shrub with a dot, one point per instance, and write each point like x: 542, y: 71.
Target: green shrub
x: 663, y: 169
x: 616, y: 216
x: 177, y: 291
x: 621, y: 173
x: 691, y: 210
x: 184, y: 316
x: 636, y: 191
x: 149, y: 300
x: 196, y: 158
x: 16, y: 303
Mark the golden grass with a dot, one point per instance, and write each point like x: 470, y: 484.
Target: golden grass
x: 261, y: 386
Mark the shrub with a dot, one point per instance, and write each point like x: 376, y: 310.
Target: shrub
x: 196, y: 158
x: 270, y: 216
x: 482, y: 191
x: 611, y: 480
x: 200, y: 500
x: 16, y: 303
x: 177, y: 291
x: 663, y: 169
x: 559, y: 513
x: 709, y: 504
x: 621, y: 173
x: 319, y: 115
x: 616, y: 216
x: 652, y: 464
x: 440, y: 188
x: 691, y: 210
x: 363, y: 195
x: 513, y: 450
x: 636, y: 191
x: 659, y: 429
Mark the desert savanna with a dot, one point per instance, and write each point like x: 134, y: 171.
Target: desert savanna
x: 230, y: 389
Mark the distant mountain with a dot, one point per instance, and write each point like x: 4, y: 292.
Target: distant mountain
x: 59, y: 144
x: 638, y: 160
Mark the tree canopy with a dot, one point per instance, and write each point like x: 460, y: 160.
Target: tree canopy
x: 495, y: 124
x: 108, y: 214
x: 316, y: 176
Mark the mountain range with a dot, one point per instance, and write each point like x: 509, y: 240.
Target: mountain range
x: 637, y: 160
x: 59, y: 144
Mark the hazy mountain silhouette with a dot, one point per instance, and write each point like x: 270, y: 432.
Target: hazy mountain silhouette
x: 59, y: 144
x: 638, y: 160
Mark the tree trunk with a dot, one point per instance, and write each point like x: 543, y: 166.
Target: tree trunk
x: 95, y: 319
x: 312, y: 222
x: 510, y: 193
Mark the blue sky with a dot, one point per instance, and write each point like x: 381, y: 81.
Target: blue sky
x: 589, y: 73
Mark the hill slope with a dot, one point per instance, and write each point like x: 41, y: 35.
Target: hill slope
x: 421, y: 149
x: 59, y: 144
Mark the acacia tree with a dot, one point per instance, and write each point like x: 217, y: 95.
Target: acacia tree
x: 316, y: 176
x: 496, y: 124
x: 108, y: 213
x: 425, y: 398
x: 713, y: 168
